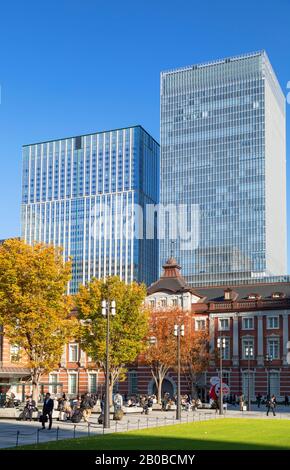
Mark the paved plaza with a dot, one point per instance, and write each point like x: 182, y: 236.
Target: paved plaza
x: 14, y: 433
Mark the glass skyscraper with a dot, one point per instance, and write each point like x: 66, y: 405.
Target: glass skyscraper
x: 223, y: 152
x: 81, y: 193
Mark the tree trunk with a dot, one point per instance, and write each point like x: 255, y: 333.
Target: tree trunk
x: 193, y: 390
x: 111, y: 394
x: 35, y: 386
x: 159, y: 390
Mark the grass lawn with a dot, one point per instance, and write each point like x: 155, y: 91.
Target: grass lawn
x: 225, y: 434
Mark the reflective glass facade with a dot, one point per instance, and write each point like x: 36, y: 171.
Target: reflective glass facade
x: 223, y: 150
x: 79, y: 193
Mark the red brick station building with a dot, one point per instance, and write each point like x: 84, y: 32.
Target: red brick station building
x: 250, y: 317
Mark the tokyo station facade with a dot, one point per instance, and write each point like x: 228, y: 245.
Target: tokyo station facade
x: 252, y: 316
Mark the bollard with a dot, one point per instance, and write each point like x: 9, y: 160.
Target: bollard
x: 37, y: 436
x: 116, y: 423
x: 74, y: 431
x: 157, y: 420
x: 57, y: 431
x: 128, y: 425
x: 89, y: 429
x: 147, y: 423
x: 17, y: 438
x: 187, y: 418
x: 138, y: 424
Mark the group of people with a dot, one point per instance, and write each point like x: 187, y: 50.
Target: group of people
x: 264, y: 400
x: 146, y: 402
x: 9, y: 400
x: 187, y: 402
x: 82, y: 406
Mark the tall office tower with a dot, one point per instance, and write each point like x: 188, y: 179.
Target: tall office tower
x: 81, y: 193
x: 223, y: 153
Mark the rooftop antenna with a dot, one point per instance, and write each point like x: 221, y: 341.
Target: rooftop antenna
x: 172, y: 242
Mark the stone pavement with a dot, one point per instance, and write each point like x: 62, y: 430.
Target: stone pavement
x: 13, y: 433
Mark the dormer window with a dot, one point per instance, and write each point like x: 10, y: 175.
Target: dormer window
x: 254, y: 297
x: 278, y: 295
x: 228, y: 294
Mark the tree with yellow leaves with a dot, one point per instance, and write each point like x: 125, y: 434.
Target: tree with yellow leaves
x: 128, y: 327
x: 34, y: 310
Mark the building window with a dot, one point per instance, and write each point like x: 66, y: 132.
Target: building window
x: 278, y: 295
x: 163, y: 302
x: 72, y: 383
x: 200, y: 325
x: 226, y: 377
x: 274, y: 379
x: 248, y: 384
x: 272, y: 322
x: 248, y: 323
x: 152, y: 303
x: 226, y: 349
x: 248, y: 348
x: 53, y: 383
x: 224, y: 324
x: 15, y: 354
x: 273, y: 347
x: 132, y: 382
x: 93, y: 383
x: 73, y: 352
x: 228, y: 294
x: 254, y: 297
x: 174, y: 302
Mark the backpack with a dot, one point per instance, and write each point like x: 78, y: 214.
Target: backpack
x: 77, y: 416
x: 118, y: 415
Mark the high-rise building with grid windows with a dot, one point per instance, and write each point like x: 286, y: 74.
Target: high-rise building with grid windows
x: 81, y: 193
x: 223, y: 151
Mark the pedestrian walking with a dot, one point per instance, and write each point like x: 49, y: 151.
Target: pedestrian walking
x: 259, y: 399
x: 47, y: 411
x: 286, y: 400
x: 242, y: 402
x: 271, y: 405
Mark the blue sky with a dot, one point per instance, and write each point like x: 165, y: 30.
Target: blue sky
x: 69, y: 67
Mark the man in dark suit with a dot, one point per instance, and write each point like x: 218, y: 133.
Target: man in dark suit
x: 47, y: 411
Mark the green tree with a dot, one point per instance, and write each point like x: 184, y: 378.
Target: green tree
x: 34, y: 310
x: 128, y: 327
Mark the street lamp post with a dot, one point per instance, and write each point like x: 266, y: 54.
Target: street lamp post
x: 221, y: 344
x: 108, y: 308
x: 178, y: 332
x: 269, y: 359
x: 249, y: 355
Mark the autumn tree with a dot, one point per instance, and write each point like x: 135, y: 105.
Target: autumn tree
x: 195, y: 357
x: 127, y: 328
x: 34, y: 309
x: 160, y: 354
